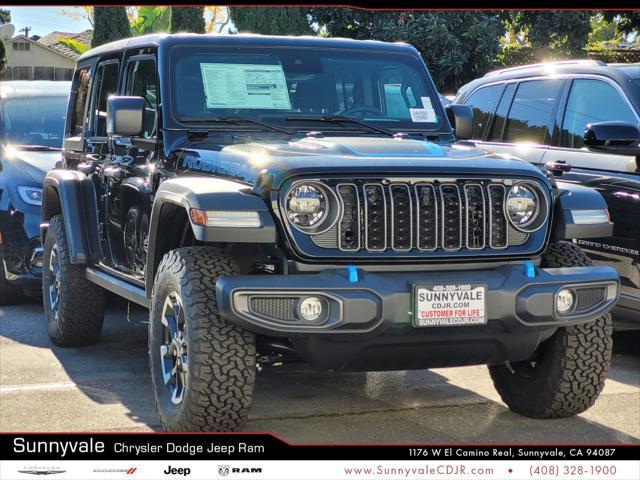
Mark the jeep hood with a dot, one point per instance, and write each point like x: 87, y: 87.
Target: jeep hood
x: 348, y: 156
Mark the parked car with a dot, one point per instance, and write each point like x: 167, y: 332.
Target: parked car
x: 553, y: 115
x: 284, y: 200
x: 32, y: 117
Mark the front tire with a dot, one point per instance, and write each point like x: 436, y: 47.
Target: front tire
x: 73, y: 306
x: 567, y: 373
x: 202, y: 368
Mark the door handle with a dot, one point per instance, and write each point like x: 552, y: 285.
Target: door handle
x: 558, y: 167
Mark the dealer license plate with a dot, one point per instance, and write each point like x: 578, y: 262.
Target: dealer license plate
x: 450, y: 305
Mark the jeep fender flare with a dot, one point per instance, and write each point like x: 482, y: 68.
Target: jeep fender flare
x: 207, y: 194
x: 571, y: 197
x: 73, y: 194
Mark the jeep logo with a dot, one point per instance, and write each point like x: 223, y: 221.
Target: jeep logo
x: 177, y: 471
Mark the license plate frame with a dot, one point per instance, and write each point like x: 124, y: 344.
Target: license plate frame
x: 446, y: 290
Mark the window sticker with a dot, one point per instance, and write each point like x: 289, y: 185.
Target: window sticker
x: 426, y: 114
x: 234, y: 85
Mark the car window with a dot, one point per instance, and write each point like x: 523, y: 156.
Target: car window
x: 531, y: 112
x: 142, y: 81
x: 500, y: 116
x: 107, y: 84
x: 80, y: 93
x: 287, y: 86
x: 591, y: 101
x: 33, y: 121
x: 483, y: 101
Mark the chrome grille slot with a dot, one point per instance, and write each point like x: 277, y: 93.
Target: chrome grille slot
x: 375, y: 217
x: 427, y: 217
x: 349, y: 224
x: 475, y: 210
x: 451, y: 217
x: 401, y: 217
x: 498, y: 236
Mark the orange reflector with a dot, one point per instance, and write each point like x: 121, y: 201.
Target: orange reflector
x: 199, y: 217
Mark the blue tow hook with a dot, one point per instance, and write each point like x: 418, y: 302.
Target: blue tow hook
x: 529, y: 270
x: 353, y: 273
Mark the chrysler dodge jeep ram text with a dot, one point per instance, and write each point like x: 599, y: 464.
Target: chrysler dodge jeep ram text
x: 269, y: 196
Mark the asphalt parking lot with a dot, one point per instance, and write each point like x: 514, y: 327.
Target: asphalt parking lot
x: 106, y: 388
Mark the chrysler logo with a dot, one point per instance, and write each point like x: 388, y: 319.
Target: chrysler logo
x: 41, y: 472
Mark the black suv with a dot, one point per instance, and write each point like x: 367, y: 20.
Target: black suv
x: 301, y: 197
x: 548, y: 114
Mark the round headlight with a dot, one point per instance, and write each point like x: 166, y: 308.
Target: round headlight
x: 522, y: 205
x: 306, y: 205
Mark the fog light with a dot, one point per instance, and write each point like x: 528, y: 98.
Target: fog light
x: 310, y: 309
x: 564, y: 301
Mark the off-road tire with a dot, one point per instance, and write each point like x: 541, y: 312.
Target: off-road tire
x: 9, y: 295
x: 81, y: 303
x: 221, y: 356
x: 571, y: 366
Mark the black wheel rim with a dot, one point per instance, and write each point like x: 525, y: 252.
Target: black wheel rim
x: 54, y: 280
x: 173, y: 349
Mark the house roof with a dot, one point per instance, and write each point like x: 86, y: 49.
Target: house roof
x: 52, y: 40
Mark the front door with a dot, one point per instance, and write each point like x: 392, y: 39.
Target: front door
x: 128, y: 174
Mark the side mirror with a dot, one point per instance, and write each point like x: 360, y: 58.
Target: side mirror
x: 461, y: 119
x: 620, y: 138
x: 124, y: 116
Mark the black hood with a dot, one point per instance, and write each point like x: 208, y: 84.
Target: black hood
x: 349, y: 156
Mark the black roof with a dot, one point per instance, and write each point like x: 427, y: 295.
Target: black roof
x: 162, y: 40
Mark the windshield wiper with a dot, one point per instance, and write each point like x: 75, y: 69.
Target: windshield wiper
x: 235, y: 120
x: 339, y: 119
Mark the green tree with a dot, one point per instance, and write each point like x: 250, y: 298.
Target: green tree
x: 271, y: 21
x: 553, y: 32
x: 187, y: 19
x: 627, y: 21
x: 457, y: 46
x: 151, y: 20
x: 5, y: 16
x: 3, y: 57
x: 603, y: 31
x: 109, y: 24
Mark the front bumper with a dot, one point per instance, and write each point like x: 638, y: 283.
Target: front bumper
x: 20, y: 249
x: 369, y: 324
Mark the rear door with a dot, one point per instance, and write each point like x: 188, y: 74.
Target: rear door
x: 616, y: 177
x: 522, y: 122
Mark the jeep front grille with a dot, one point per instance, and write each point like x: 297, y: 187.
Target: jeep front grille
x: 420, y: 218
x: 402, y: 217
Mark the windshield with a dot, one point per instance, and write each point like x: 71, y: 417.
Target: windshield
x: 33, y: 121
x: 276, y: 84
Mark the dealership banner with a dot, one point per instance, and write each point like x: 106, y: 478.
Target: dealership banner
x: 262, y: 456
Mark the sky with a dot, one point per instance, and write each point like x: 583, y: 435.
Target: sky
x: 43, y: 20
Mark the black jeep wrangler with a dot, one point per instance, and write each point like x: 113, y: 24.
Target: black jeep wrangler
x: 304, y: 197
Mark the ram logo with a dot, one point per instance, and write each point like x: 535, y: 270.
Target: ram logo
x: 223, y: 470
